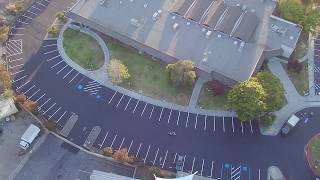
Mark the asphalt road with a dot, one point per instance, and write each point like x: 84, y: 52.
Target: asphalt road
x: 219, y: 147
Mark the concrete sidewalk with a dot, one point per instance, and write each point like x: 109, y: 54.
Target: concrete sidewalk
x: 196, y: 92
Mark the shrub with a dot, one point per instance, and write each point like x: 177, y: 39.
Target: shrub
x: 8, y: 93
x: 16, y: 7
x: 216, y: 87
x: 61, y: 16
x: 20, y: 99
x: 31, y: 106
x: 107, y: 151
x: 267, y: 120
x: 295, y: 66
x: 52, y: 30
x: 117, y: 71
x: 50, y: 125
x: 122, y: 156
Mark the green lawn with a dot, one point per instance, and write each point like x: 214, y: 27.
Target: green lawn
x: 315, y: 152
x: 147, y: 75
x: 208, y: 101
x: 83, y: 49
x: 301, y: 48
x: 300, y: 81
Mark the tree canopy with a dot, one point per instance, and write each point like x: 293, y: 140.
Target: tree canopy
x: 263, y: 93
x: 117, y: 71
x: 182, y: 73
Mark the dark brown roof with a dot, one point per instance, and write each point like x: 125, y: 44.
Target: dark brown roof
x: 181, y: 7
x: 198, y: 9
x: 229, y: 20
x: 246, y: 27
x: 214, y: 13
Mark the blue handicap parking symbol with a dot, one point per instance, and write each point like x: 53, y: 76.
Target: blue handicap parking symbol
x: 244, y: 168
x: 226, y: 165
x: 80, y: 87
x: 98, y: 96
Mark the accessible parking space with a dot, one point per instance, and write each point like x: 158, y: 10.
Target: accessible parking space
x: 316, y: 57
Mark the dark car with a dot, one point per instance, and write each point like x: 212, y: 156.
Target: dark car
x: 179, y: 163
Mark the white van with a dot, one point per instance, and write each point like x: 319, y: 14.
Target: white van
x: 293, y: 121
x: 28, y: 136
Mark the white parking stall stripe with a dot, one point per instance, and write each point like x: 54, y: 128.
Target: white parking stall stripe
x: 120, y: 100
x: 10, y: 51
x: 235, y: 172
x: 232, y: 125
x: 259, y: 173
x: 155, y: 158
x: 143, y: 109
x: 29, y: 89
x: 32, y: 12
x: 122, y: 142
x: 169, y: 116
x: 165, y: 158
x: 184, y: 159
x: 49, y: 45
x: 36, y: 8
x: 45, y: 103
x: 104, y: 139
x: 48, y: 52
x: 61, y: 116
x: 112, y: 97
x: 115, y: 137
x: 160, y: 115
x: 136, y: 106
x: 18, y: 59
x: 56, y: 64
x: 224, y: 128
x: 23, y: 85
x: 53, y: 58
x: 205, y: 123
x: 49, y: 108
x: 138, y: 150
x: 195, y: 125
x: 91, y: 86
x: 18, y: 28
x: 46, y: 1
x: 40, y: 97
x: 62, y: 68
x: 211, y: 172
x: 127, y: 104
x: 130, y: 146
x: 187, y: 120
x: 251, y: 127
x: 22, y: 21
x: 41, y: 4
x: 67, y: 73
x: 145, y: 158
x: 194, y: 159
x: 151, y: 112
x: 15, y: 34
x: 174, y: 159
x: 11, y: 67
x: 202, y: 167
x: 54, y: 113
x: 178, y: 118
x: 27, y: 17
x: 34, y: 93
x: 16, y: 80
x: 15, y: 49
x: 241, y: 127
x: 72, y: 78
x: 12, y: 74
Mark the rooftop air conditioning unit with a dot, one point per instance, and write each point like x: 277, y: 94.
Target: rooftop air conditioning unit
x: 241, y: 46
x: 134, y: 22
x: 188, y: 23
x: 175, y: 26
x: 219, y: 36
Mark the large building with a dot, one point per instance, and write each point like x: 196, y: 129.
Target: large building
x: 227, y: 40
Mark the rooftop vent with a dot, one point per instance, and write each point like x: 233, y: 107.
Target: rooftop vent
x: 173, y: 17
x: 145, y: 5
x: 157, y: 15
x: 131, y: 0
x: 253, y: 10
x: 188, y: 23
x: 203, y: 29
x: 219, y: 35
x: 135, y: 22
x: 244, y: 7
x: 241, y: 46
x: 291, y: 37
x: 175, y: 26
x: 208, y: 34
x: 120, y: 2
x: 235, y: 43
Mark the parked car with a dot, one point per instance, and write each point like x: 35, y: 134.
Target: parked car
x: 292, y: 122
x: 179, y: 163
x: 28, y: 136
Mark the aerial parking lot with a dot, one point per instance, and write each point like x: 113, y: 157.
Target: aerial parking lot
x: 317, y: 64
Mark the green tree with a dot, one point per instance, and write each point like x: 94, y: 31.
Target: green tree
x: 107, y: 151
x: 292, y: 10
x: 61, y: 16
x: 52, y: 30
x: 273, y: 88
x: 182, y: 73
x: 247, y: 99
x: 311, y: 19
x: 117, y: 71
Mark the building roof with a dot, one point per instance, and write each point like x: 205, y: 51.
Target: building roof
x: 211, y: 51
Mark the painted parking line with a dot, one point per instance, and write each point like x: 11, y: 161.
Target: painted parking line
x: 48, y: 52
x: 211, y: 171
x: 54, y: 112
x: 155, y: 158
x: 136, y: 106
x: 205, y: 123
x: 40, y: 97
x: 232, y: 124
x: 151, y: 112
x: 138, y: 150
x: 130, y: 146
x: 165, y: 158
x: 11, y: 67
x: 34, y: 7
x: 144, y: 108
x: 127, y: 104
x: 41, y: 4
x: 32, y: 12
x: 187, y: 120
x: 202, y: 167
x: 120, y: 100
x: 121, y: 143
x: 45, y: 103
x: 61, y: 116
x: 235, y: 172
x: 29, y: 89
x: 22, y: 22
x: 112, y: 97
x: 49, y: 108
x: 169, y: 116
x: 160, y: 115
x: 34, y: 93
x: 184, y: 160
x: 48, y: 60
x: 145, y: 158
x: 72, y: 78
x: 22, y: 85
x: 241, y: 127
x: 27, y: 17
x: 62, y: 68
x: 56, y: 64
x: 224, y: 128
x: 16, y: 80
x: 194, y: 159
x: 195, y: 125
x: 104, y: 139
x: 14, y: 60
x: 251, y: 126
x: 12, y: 74
x: 115, y: 137
x: 49, y: 45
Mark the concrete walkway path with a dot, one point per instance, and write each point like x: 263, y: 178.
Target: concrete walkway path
x: 196, y: 92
